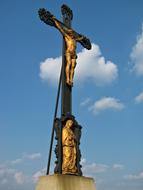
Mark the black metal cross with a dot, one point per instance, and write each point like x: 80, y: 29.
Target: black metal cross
x: 70, y: 37
x: 65, y: 29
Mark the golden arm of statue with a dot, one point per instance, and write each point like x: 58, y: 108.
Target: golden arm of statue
x: 79, y: 38
x: 59, y: 26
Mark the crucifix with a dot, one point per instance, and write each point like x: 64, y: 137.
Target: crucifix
x: 67, y: 129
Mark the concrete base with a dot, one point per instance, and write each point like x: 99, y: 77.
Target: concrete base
x: 65, y: 182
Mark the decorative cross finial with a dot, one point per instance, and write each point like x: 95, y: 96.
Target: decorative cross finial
x: 66, y: 12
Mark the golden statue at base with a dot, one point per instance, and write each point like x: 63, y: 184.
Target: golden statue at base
x: 69, y: 149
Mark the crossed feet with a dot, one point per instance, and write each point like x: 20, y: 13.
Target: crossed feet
x: 70, y: 83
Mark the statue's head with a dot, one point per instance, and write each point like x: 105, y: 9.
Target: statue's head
x: 70, y: 33
x: 69, y: 123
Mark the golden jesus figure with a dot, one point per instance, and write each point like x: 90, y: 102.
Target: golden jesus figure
x: 71, y: 38
x: 70, y: 54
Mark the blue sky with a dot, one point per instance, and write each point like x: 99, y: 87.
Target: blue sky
x: 107, y: 94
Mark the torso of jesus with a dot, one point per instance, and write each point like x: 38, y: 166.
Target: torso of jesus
x: 70, y: 45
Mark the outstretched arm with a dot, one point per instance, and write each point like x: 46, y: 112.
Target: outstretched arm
x: 51, y: 20
x: 84, y: 41
x: 58, y: 25
x: 46, y: 17
x: 79, y: 38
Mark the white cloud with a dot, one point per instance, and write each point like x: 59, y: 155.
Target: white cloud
x: 106, y: 103
x: 4, y: 171
x: 20, y: 178
x: 85, y: 102
x: 95, y: 168
x: 118, y: 166
x: 25, y: 157
x: 91, y: 169
x: 6, y: 174
x: 32, y: 156
x: 139, y: 98
x: 50, y: 69
x: 83, y: 161
x: 134, y: 177
x: 90, y: 65
x: 17, y: 161
x: 13, y: 177
x: 38, y: 174
x: 10, y: 173
x: 137, y: 55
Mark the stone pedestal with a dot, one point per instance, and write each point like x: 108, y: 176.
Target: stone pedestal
x: 65, y: 182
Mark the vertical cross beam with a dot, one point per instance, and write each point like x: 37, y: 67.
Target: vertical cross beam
x: 70, y: 38
x: 66, y: 94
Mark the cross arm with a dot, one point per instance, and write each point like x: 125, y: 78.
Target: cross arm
x: 49, y: 19
x: 46, y: 17
x: 84, y: 41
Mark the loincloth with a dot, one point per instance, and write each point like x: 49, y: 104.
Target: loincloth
x: 71, y: 54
